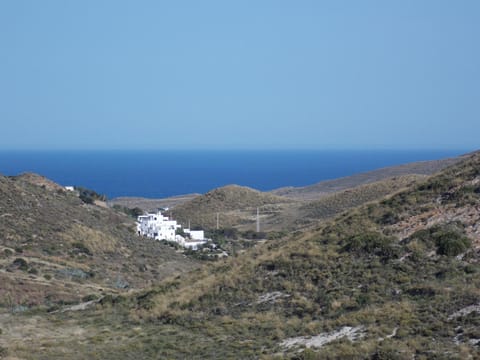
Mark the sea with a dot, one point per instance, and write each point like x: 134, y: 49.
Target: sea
x: 160, y: 174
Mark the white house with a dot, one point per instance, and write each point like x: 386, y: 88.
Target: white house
x: 159, y: 227
x: 189, y: 243
x: 195, y: 234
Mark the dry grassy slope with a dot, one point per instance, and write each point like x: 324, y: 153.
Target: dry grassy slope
x: 71, y: 249
x: 324, y: 199
x: 333, y: 204
x: 202, y: 210
x: 279, y: 214
x: 151, y: 204
x: 399, y: 271
x: 383, y: 267
x: 316, y: 191
x: 297, y: 215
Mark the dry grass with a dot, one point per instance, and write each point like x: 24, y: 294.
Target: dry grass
x: 95, y: 240
x: 349, y: 271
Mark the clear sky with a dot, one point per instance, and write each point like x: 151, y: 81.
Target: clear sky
x: 273, y: 74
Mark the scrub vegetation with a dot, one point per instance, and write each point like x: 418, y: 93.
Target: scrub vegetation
x: 402, y: 274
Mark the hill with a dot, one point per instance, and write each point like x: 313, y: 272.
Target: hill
x: 231, y: 201
x: 54, y: 248
x: 151, y: 204
x: 305, y: 214
x: 308, y: 193
x: 398, y: 278
x: 337, y: 202
x: 316, y: 191
x: 291, y: 208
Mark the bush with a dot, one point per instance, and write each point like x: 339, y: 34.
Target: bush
x: 86, y: 199
x: 224, y: 233
x: 448, y: 239
x: 389, y: 218
x: 90, y: 297
x: 3, y: 351
x: 7, y: 252
x: 470, y: 269
x: 20, y: 264
x: 371, y: 243
x: 132, y: 212
x: 89, y: 196
x: 253, y: 235
x: 452, y: 244
x: 80, y: 248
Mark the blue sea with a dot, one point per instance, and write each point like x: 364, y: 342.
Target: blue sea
x: 158, y: 174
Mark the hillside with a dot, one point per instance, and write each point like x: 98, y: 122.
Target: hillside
x: 402, y: 276
x: 292, y: 207
x: 308, y: 193
x: 228, y: 200
x: 237, y: 206
x: 151, y: 204
x: 318, y: 190
x: 333, y: 204
x: 394, y: 279
x: 54, y: 248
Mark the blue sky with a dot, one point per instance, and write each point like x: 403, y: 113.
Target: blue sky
x: 263, y: 74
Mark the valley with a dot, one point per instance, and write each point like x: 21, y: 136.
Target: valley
x: 384, y: 270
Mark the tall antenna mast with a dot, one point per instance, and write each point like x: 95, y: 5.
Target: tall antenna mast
x: 258, y: 220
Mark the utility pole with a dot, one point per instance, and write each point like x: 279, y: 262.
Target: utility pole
x: 258, y: 220
x: 217, y: 221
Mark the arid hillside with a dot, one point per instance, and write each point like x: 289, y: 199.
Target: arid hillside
x: 396, y: 278
x: 316, y: 191
x: 151, y: 205
x: 54, y: 248
x: 290, y: 208
x: 234, y: 204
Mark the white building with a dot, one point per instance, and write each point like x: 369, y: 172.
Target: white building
x: 157, y: 226
x: 189, y: 243
x: 160, y: 227
x: 195, y: 234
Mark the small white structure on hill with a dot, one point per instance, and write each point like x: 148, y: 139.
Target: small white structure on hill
x: 195, y: 234
x: 159, y: 227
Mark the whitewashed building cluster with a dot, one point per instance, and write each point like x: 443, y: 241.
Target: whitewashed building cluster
x: 159, y: 227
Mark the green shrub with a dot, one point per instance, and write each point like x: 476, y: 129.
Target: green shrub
x: 3, y: 352
x: 7, y: 252
x: 20, y: 264
x: 80, y: 248
x: 33, y: 271
x: 132, y: 212
x: 371, y: 243
x: 448, y: 239
x: 90, y: 297
x: 470, y: 269
x: 451, y: 243
x: 253, y: 235
x: 89, y: 196
x: 389, y: 218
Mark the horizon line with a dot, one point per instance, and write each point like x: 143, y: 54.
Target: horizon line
x: 215, y: 149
